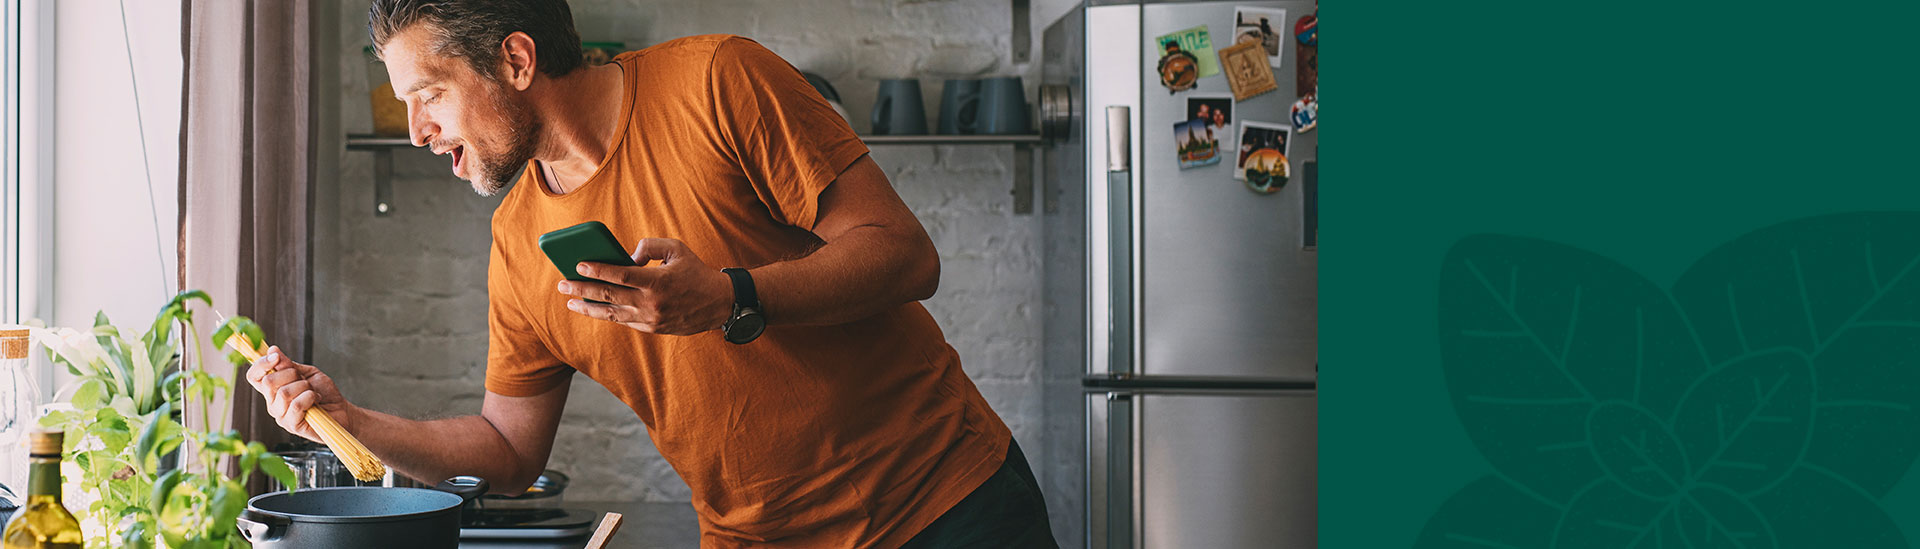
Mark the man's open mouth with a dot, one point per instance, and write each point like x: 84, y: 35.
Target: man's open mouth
x: 458, y: 153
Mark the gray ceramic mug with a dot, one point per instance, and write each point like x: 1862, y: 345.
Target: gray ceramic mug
x: 897, y: 109
x: 1003, y: 107
x: 960, y: 107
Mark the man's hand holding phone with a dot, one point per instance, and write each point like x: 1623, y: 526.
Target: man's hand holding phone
x: 680, y: 295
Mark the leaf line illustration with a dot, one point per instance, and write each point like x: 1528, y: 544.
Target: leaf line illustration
x: 1744, y: 423
x: 1478, y: 541
x: 1506, y: 305
x: 1878, y: 293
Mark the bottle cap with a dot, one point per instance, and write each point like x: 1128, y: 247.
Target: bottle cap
x: 14, y: 342
x: 44, y: 443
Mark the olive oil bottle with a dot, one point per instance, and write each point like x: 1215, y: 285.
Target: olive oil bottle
x: 42, y: 523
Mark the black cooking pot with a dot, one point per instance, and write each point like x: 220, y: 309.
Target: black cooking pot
x: 360, y: 516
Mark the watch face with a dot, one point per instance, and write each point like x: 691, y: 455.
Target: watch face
x: 746, y: 327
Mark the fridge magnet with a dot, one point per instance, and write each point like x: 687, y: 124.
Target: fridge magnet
x: 1306, y: 65
x: 1186, y: 56
x: 1262, y: 26
x: 1247, y: 71
x: 1179, y: 70
x: 1198, y: 144
x: 1306, y: 113
x: 1262, y: 162
x: 1217, y: 110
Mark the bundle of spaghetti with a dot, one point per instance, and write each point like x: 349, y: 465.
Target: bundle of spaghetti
x: 359, y: 461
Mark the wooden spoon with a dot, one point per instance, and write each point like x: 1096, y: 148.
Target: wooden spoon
x: 609, y: 524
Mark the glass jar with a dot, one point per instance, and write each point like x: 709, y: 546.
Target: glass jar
x: 17, y: 390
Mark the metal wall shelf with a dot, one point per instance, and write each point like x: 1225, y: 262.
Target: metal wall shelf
x: 382, y: 148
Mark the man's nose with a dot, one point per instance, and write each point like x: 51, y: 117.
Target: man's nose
x: 420, y: 129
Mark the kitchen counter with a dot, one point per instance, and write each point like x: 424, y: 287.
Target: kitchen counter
x: 645, y: 525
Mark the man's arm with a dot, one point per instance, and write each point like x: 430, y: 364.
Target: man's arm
x: 876, y: 256
x: 508, y: 443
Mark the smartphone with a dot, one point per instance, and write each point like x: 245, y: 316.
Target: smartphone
x: 590, y: 241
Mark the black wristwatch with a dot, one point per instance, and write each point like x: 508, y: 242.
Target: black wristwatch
x: 747, y: 323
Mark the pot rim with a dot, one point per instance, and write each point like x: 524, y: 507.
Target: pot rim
x: 453, y: 506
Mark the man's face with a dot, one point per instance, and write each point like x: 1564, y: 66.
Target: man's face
x: 485, y: 126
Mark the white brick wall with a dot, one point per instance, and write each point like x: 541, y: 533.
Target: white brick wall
x: 400, y: 300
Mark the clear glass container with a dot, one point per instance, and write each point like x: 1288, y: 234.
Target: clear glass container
x: 17, y: 389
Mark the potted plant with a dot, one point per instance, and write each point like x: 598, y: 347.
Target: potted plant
x: 122, y: 416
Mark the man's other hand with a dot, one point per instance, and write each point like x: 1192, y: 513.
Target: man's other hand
x: 679, y: 296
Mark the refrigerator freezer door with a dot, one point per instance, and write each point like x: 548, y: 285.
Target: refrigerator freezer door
x: 1227, y: 471
x: 1225, y: 286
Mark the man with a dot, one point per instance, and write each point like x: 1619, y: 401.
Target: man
x: 846, y: 423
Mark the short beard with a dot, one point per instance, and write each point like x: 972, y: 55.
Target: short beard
x: 496, y: 172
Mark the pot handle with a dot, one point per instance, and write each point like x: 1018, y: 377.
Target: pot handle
x: 261, y: 527
x: 468, y: 487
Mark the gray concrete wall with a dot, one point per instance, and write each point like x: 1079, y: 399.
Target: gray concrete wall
x: 400, y: 301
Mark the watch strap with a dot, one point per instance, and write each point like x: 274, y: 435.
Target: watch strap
x: 744, y: 295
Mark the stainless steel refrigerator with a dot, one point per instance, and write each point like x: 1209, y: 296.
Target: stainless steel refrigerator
x: 1185, y: 300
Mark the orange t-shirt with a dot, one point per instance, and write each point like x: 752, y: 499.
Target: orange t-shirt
x: 854, y: 435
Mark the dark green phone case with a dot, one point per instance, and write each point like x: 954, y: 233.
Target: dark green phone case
x: 590, y: 241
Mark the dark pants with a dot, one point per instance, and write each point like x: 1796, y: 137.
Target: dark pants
x: 1005, y: 511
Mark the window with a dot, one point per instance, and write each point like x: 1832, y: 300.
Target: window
x: 10, y: 159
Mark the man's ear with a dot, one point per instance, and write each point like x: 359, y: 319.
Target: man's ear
x: 518, y: 60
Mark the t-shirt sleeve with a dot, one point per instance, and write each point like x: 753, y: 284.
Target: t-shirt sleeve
x: 786, y: 138
x: 519, y: 363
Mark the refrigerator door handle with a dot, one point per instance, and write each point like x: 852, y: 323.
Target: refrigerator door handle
x: 1111, y: 480
x: 1119, y: 138
x: 1120, y: 237
x: 1120, y: 481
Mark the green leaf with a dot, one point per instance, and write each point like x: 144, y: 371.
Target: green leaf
x: 92, y: 393
x: 1637, y: 449
x: 163, y: 491
x: 57, y: 418
x: 248, y: 460
x: 173, y: 384
x: 124, y: 406
x: 275, y: 467
x: 145, y: 389
x: 175, y: 538
x: 113, y: 433
x: 1489, y: 513
x: 225, y: 443
x: 1746, y: 425
x: 1534, y: 334
x: 1844, y: 290
x: 137, y: 536
x: 176, y: 309
x: 244, y: 326
x: 160, y: 429
x: 228, y: 500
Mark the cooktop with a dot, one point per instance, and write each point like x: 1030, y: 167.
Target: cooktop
x: 526, y: 523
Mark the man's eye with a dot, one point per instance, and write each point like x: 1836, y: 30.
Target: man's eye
x: 434, y: 99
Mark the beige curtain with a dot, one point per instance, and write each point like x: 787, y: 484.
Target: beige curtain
x: 245, y: 170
